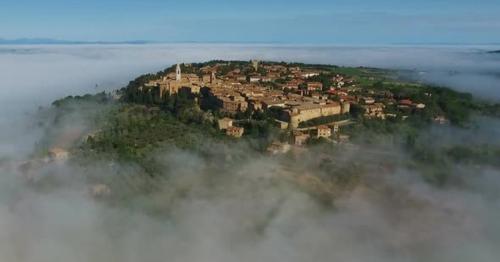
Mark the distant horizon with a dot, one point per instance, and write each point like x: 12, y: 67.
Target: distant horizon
x: 54, y: 41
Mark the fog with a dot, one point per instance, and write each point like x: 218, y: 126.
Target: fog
x: 250, y: 207
x: 41, y: 73
x: 33, y: 76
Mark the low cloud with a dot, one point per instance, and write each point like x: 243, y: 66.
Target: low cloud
x: 236, y: 206
x: 257, y: 208
x: 42, y: 73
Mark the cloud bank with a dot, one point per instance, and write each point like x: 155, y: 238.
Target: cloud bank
x: 246, y: 207
x: 253, y: 208
x: 34, y: 76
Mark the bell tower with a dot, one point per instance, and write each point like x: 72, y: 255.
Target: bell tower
x: 255, y: 64
x: 178, y: 75
x: 212, y: 78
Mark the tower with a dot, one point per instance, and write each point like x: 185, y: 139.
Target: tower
x: 255, y: 64
x: 178, y: 76
x: 212, y: 79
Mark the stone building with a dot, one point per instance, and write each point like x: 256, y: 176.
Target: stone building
x: 299, y: 138
x: 174, y: 82
x: 58, y: 154
x: 308, y: 111
x: 255, y: 64
x: 346, y: 107
x: 281, y: 124
x: 323, y: 131
x: 225, y: 123
x: 314, y: 86
x: 374, y: 111
x: 233, y: 104
x: 99, y: 191
x: 278, y: 148
x: 235, y: 131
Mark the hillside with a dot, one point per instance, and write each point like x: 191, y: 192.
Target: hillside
x: 136, y: 136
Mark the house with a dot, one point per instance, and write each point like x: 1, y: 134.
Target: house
x: 293, y: 84
x: 419, y: 106
x: 345, y: 107
x: 324, y: 131
x: 405, y: 103
x: 229, y: 105
x: 314, y: 86
x: 343, y: 138
x: 255, y: 105
x: 233, y: 103
x: 309, y: 74
x: 268, y: 103
x: 442, y: 120
x: 241, y: 78
x: 243, y: 106
x: 367, y: 100
x: 300, y: 138
x: 278, y: 148
x: 99, y: 190
x: 225, y: 123
x: 58, y: 154
x: 281, y: 124
x: 254, y: 79
x: 207, y: 78
x: 235, y: 131
x: 266, y: 79
x: 374, y: 110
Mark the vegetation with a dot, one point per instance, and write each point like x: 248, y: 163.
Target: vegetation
x: 132, y: 132
x: 134, y: 129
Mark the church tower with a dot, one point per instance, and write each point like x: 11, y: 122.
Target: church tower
x: 178, y: 76
x: 255, y: 64
x: 212, y: 78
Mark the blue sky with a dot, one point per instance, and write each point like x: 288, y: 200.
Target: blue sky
x: 285, y: 21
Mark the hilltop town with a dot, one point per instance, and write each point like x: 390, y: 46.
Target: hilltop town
x: 274, y: 107
x: 306, y: 101
x: 286, y: 110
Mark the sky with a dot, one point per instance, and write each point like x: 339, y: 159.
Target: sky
x: 363, y: 22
